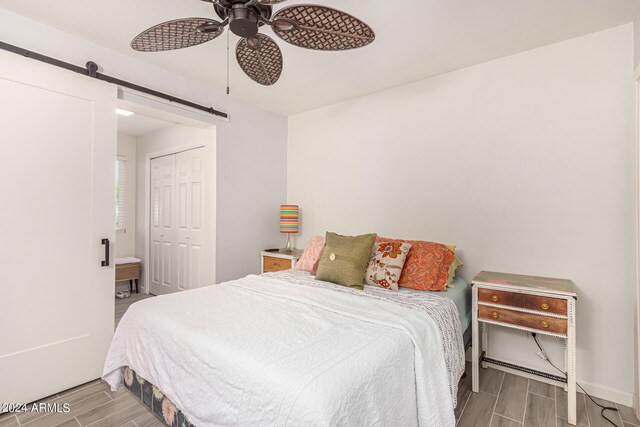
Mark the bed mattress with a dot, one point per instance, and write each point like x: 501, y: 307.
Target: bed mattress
x: 285, y: 349
x: 460, y: 294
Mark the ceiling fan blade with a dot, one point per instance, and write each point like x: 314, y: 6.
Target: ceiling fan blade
x: 322, y: 28
x: 260, y: 58
x: 270, y: 2
x: 177, y: 34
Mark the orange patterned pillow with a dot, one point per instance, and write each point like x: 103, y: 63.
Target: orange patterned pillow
x: 427, y: 265
x: 311, y: 254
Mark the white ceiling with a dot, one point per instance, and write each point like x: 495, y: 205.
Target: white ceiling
x: 138, y: 125
x: 416, y: 39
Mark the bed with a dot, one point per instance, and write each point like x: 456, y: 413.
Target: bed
x: 286, y: 349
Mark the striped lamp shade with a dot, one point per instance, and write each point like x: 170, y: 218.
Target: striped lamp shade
x: 289, y: 218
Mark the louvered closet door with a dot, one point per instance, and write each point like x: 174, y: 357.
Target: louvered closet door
x: 190, y: 167
x: 163, y: 274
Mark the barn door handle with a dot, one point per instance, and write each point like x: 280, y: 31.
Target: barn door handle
x: 105, y: 262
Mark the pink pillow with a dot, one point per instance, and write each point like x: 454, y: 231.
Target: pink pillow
x: 311, y: 254
x: 314, y: 270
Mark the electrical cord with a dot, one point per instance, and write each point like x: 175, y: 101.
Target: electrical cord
x: 602, y: 407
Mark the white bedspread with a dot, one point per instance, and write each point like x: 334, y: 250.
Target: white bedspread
x: 287, y: 350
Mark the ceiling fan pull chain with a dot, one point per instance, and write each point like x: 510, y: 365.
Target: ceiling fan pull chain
x: 228, y: 61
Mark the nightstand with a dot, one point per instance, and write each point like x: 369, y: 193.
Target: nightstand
x: 278, y: 261
x: 539, y: 305
x: 128, y: 269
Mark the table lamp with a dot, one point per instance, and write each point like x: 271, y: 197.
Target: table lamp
x: 289, y: 223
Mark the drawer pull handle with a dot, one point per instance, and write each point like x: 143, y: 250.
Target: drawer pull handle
x: 545, y: 324
x: 495, y: 315
x: 495, y: 298
x: 545, y: 306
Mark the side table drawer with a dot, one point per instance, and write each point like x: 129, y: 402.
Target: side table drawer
x: 530, y: 302
x: 528, y: 320
x: 127, y: 272
x: 273, y: 264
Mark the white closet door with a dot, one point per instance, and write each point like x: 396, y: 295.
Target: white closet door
x: 191, y: 217
x: 163, y: 274
x: 177, y: 244
x: 58, y: 130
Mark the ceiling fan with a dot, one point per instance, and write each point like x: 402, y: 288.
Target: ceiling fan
x: 308, y: 26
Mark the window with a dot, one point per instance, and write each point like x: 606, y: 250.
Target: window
x: 121, y: 192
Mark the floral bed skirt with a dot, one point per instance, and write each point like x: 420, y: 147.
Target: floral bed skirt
x: 154, y: 399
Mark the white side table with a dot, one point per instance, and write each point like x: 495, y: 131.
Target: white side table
x: 534, y: 304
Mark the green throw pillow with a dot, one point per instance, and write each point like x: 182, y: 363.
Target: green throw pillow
x: 344, y: 259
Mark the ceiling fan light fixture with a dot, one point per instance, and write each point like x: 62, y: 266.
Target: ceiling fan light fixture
x: 284, y: 24
x: 209, y: 27
x: 253, y: 43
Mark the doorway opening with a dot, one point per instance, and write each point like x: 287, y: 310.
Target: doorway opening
x: 165, y: 202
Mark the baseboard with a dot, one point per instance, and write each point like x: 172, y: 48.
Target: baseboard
x: 617, y: 396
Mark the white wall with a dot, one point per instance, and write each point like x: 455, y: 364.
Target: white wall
x: 252, y: 175
x: 636, y: 42
x: 636, y: 55
x: 164, y: 141
x: 251, y: 157
x: 525, y: 163
x: 126, y: 240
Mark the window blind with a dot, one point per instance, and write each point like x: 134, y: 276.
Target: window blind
x: 121, y: 193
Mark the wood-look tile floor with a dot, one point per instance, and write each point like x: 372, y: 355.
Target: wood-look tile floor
x: 92, y: 404
x: 505, y: 400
